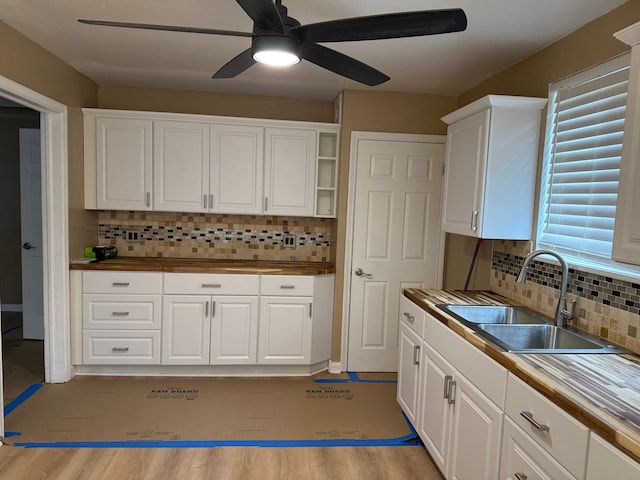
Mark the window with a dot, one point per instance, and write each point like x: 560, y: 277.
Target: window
x: 581, y: 167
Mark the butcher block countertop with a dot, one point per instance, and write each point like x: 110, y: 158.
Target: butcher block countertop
x: 197, y: 265
x: 600, y: 390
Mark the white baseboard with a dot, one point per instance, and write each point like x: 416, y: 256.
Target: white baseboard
x: 335, y: 367
x: 10, y: 307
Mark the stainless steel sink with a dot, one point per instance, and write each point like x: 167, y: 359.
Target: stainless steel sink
x: 518, y: 329
x: 521, y: 338
x: 494, y: 314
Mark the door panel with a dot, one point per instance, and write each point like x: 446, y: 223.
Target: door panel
x: 396, y: 242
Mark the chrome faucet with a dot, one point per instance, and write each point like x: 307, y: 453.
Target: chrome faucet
x: 562, y: 310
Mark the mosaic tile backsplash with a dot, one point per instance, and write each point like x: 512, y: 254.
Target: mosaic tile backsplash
x: 607, y: 307
x: 243, y: 237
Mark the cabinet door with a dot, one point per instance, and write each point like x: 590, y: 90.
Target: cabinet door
x: 181, y: 166
x: 465, y: 163
x: 236, y: 169
x: 124, y: 163
x: 285, y: 330
x: 234, y: 330
x: 606, y: 461
x: 186, y: 329
x: 476, y: 432
x: 289, y: 171
x: 434, y: 413
x: 409, y: 372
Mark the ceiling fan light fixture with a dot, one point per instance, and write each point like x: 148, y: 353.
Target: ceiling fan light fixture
x: 276, y: 51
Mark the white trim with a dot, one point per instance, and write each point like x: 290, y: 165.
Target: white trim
x: 335, y: 367
x: 55, y: 210
x: 356, y: 136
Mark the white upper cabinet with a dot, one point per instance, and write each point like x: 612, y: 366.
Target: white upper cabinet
x: 123, y: 153
x: 490, y: 167
x: 236, y: 168
x: 181, y: 166
x: 198, y: 163
x: 290, y: 159
x: 626, y: 235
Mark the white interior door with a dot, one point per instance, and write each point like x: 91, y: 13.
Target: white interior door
x: 396, y: 242
x: 31, y: 234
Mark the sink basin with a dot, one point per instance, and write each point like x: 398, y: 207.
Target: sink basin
x: 494, y: 314
x: 543, y: 339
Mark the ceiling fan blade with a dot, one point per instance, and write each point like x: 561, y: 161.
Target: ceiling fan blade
x: 236, y: 65
x: 342, y: 64
x: 263, y: 13
x: 167, y: 28
x: 378, y: 27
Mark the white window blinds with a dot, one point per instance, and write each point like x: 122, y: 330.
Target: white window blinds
x: 583, y: 144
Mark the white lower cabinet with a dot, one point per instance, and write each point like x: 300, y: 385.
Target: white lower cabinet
x: 459, y: 425
x: 186, y: 330
x: 605, y: 462
x: 234, y: 330
x: 409, y: 372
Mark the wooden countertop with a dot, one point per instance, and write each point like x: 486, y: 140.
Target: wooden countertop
x: 602, y: 391
x: 197, y: 265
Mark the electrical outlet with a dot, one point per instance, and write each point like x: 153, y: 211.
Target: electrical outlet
x: 289, y: 240
x: 132, y: 236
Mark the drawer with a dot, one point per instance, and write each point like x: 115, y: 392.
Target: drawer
x: 287, y: 285
x: 121, y: 312
x: 412, y: 316
x: 211, y: 284
x: 121, y: 347
x: 521, y: 455
x: 122, y: 282
x: 559, y: 434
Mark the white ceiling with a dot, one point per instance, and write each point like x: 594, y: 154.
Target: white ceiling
x: 499, y: 34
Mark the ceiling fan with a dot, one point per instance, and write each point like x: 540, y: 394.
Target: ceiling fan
x: 279, y: 39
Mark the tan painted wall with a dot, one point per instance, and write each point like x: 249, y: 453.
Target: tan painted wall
x: 588, y: 46
x: 162, y: 100
x: 30, y: 65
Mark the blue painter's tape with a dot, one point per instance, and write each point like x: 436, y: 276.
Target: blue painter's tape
x: 11, y: 434
x: 353, y: 378
x: 20, y: 399
x: 12, y: 329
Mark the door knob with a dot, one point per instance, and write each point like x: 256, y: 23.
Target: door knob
x: 360, y: 273
x: 27, y: 246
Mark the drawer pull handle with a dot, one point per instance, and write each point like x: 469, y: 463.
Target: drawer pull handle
x: 447, y: 386
x: 519, y: 476
x: 120, y: 284
x: 211, y: 285
x: 120, y: 349
x: 416, y: 354
x: 528, y: 416
x: 287, y: 287
x: 452, y: 393
x: 410, y: 318
x: 120, y: 314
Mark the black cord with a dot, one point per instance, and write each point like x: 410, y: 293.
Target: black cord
x: 473, y: 263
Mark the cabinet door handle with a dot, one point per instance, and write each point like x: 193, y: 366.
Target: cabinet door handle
x: 452, y: 392
x: 266, y: 203
x: 120, y: 284
x: 206, y: 309
x: 528, y: 416
x: 410, y: 318
x: 148, y: 200
x: 416, y: 354
x: 120, y: 349
x: 119, y: 314
x: 447, y: 386
x: 205, y: 200
x: 211, y: 201
x: 211, y: 285
x: 474, y: 220
x: 213, y: 309
x: 519, y: 476
x: 310, y: 310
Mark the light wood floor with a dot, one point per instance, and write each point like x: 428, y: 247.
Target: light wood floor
x: 23, y: 367
x: 228, y: 463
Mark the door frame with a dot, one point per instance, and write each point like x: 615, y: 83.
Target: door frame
x: 356, y: 136
x: 55, y: 226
